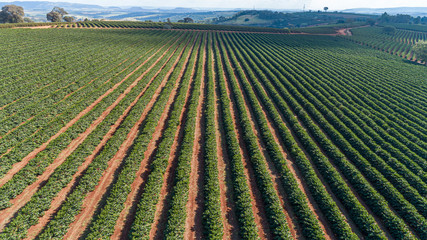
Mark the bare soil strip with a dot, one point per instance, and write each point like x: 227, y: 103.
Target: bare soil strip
x: 257, y: 204
x: 92, y: 199
x: 194, y: 228
x: 26, y: 195
x: 290, y: 216
x: 18, y: 166
x: 126, y: 217
x: 227, y: 204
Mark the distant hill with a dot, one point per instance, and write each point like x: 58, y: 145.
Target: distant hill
x: 36, y: 10
x: 274, y: 19
x: 414, y: 11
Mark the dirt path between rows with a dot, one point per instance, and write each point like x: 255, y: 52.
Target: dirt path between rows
x: 26, y: 195
x: 18, y: 166
x: 126, y: 216
x: 257, y: 203
x: 92, y: 199
x: 194, y: 227
x: 228, y: 214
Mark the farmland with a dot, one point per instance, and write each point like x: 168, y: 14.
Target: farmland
x: 398, y: 43
x: 213, y: 133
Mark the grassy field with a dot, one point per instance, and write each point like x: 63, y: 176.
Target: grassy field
x: 207, y: 134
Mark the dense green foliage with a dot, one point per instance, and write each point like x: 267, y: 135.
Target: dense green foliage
x: 316, y: 133
x: 399, y: 42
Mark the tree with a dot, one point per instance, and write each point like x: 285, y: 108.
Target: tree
x: 56, y: 15
x: 188, y: 20
x: 420, y: 50
x: 371, y: 21
x: 12, y: 14
x: 69, y: 19
x: 325, y: 8
x: 417, y: 20
x: 28, y: 20
x: 389, y: 29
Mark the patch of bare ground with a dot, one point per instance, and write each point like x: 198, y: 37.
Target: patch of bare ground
x: 126, y: 217
x: 227, y: 204
x: 92, y: 200
x: 280, y: 191
x: 38, y: 27
x: 26, y: 195
x: 194, y: 227
x: 257, y: 203
x: 19, y: 165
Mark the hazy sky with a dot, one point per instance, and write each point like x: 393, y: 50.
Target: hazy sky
x: 260, y: 4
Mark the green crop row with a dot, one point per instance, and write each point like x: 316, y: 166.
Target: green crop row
x: 328, y: 148
x: 40, y: 201
x: 58, y: 226
x: 274, y: 210
x: 177, y: 213
x: 102, y: 225
x: 212, y: 219
x: 241, y: 191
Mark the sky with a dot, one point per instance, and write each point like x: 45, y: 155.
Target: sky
x: 258, y: 4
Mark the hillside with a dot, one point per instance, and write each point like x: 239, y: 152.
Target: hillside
x: 296, y: 19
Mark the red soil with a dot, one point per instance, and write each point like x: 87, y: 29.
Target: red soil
x: 92, y: 199
x: 194, y: 228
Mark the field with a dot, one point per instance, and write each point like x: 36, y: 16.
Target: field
x: 231, y: 134
x: 398, y: 43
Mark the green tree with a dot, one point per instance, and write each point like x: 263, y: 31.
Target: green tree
x: 371, y: 21
x: 326, y: 9
x: 420, y: 50
x: 12, y: 14
x: 69, y: 19
x: 56, y: 15
x: 389, y: 29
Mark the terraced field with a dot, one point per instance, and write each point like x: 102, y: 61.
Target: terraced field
x: 154, y: 134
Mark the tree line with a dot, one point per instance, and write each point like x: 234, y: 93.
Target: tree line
x: 16, y: 14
